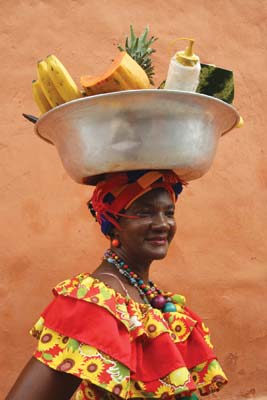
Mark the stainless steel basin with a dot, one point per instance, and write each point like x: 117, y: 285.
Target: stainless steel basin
x: 137, y: 129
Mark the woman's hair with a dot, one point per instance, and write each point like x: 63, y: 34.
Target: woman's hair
x: 113, y: 195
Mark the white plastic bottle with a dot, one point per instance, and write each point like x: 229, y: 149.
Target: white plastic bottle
x: 184, y: 70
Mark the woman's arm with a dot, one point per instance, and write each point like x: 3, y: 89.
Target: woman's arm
x: 39, y: 382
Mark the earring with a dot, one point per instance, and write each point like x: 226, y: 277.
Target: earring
x: 115, y: 243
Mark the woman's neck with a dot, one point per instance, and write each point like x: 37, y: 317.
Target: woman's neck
x: 140, y: 268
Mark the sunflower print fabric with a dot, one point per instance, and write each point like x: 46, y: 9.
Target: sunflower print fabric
x: 123, y: 349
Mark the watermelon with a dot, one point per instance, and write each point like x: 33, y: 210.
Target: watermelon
x: 216, y: 82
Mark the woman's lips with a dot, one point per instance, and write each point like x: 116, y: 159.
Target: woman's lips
x: 158, y: 241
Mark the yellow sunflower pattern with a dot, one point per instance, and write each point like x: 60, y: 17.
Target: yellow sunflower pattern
x: 48, y: 340
x: 67, y: 361
x: 214, y: 377
x: 100, y: 371
x: 94, y: 367
x: 180, y: 326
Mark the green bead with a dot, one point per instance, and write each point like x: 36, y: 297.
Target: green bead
x: 169, y: 307
x: 178, y: 299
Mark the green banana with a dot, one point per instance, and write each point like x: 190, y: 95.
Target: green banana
x: 47, y: 84
x: 62, y: 80
x: 39, y: 97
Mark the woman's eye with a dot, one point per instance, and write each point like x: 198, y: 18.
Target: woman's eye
x: 147, y: 213
x: 143, y: 213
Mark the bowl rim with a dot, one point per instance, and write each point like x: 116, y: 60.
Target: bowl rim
x: 192, y: 96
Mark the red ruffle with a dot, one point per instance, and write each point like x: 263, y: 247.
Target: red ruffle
x: 148, y: 358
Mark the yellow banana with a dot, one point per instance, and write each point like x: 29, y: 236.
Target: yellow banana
x: 47, y: 85
x: 62, y: 80
x: 39, y: 97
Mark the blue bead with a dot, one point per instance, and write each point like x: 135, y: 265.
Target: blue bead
x: 122, y: 263
x: 110, y: 260
x: 169, y: 307
x: 140, y: 282
x: 132, y: 280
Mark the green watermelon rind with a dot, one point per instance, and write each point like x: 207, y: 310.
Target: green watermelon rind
x: 216, y: 82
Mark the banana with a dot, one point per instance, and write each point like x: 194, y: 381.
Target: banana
x: 39, y: 97
x: 62, y: 80
x: 47, y: 84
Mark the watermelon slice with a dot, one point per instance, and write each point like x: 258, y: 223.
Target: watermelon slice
x: 216, y: 82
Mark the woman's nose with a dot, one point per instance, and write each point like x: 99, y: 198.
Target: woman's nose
x: 160, y: 221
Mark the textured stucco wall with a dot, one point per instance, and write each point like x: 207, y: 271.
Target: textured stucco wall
x: 218, y: 259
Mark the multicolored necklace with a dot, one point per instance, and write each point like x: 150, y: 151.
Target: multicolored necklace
x: 149, y: 293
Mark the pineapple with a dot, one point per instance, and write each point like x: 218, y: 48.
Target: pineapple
x: 139, y: 49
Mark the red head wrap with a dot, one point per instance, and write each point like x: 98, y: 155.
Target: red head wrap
x: 119, y: 190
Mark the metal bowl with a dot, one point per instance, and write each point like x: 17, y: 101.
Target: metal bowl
x: 137, y: 129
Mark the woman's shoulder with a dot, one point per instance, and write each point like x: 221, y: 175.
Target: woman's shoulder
x: 84, y: 284
x: 76, y: 285
x: 84, y: 292
x: 89, y: 288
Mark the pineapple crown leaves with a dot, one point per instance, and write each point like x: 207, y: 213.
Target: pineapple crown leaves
x: 139, y: 49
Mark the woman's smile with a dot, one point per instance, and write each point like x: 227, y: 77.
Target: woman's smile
x: 158, y: 241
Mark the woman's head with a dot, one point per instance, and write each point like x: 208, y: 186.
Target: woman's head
x: 148, y: 227
x: 137, y: 207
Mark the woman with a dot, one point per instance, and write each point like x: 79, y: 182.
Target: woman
x: 114, y: 333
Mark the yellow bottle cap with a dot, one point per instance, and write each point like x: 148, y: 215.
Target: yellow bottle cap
x: 187, y: 57
x: 240, y: 123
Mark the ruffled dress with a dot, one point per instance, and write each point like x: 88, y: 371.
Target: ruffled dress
x: 121, y: 348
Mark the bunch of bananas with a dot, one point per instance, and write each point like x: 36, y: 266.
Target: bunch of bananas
x: 54, y: 84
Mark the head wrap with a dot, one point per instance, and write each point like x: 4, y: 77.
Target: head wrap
x: 119, y: 190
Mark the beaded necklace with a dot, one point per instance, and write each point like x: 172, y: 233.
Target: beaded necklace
x: 149, y: 293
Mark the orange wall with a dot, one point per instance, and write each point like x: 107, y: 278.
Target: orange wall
x: 218, y: 259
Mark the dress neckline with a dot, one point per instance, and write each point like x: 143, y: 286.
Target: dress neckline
x: 126, y: 298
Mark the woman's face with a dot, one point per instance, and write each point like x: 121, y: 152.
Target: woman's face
x: 147, y: 236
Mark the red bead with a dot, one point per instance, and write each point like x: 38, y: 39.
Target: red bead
x: 143, y: 286
x: 125, y: 266
x: 115, y: 243
x: 149, y: 292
